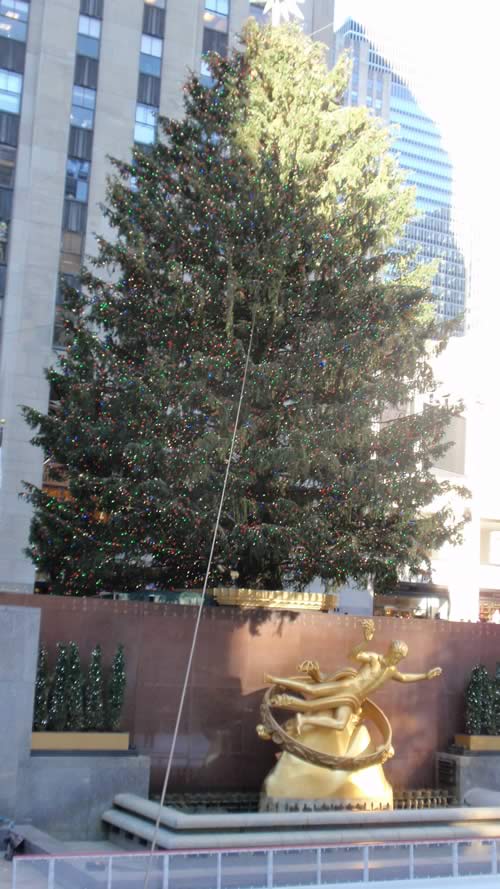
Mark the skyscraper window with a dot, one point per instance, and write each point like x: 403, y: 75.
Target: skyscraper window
x: 11, y: 85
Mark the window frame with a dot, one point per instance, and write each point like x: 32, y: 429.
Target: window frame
x: 7, y: 165
x: 149, y: 43
x: 87, y: 24
x: 9, y: 77
x: 85, y: 107
x: 221, y: 7
x: 146, y: 123
x: 78, y: 179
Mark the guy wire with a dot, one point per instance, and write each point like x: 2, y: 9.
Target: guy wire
x: 200, y: 610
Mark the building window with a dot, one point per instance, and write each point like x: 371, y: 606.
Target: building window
x: 86, y: 72
x: 215, y: 18
x: 92, y: 8
x: 219, y: 6
x: 87, y: 46
x: 215, y: 22
x: 206, y: 74
x: 153, y: 22
x: 7, y: 166
x: 75, y: 216
x: 149, y: 90
x: 5, y: 204
x: 89, y: 26
x: 9, y: 126
x: 10, y: 91
x: 4, y: 238
x: 214, y: 41
x: 12, y: 54
x: 61, y: 338
x: 151, y: 53
x: 71, y: 248
x: 151, y: 46
x: 145, y: 124
x: 77, y: 179
x: 89, y: 33
x: 13, y: 19
x: 80, y: 143
x: 82, y: 110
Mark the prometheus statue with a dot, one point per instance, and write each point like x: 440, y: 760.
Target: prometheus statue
x: 328, y: 749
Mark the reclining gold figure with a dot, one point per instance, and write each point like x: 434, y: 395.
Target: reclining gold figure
x: 329, y: 730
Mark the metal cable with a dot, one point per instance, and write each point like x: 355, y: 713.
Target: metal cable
x: 200, y: 610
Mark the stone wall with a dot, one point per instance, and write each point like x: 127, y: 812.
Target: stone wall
x: 66, y: 794
x: 218, y: 748
x: 18, y: 652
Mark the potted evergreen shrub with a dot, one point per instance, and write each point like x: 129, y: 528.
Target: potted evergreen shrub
x: 482, y: 712
x: 72, y: 711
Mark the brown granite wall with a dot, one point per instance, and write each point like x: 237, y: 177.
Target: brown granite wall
x: 218, y: 747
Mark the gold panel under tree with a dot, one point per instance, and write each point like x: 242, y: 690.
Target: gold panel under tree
x: 90, y: 741
x: 329, y: 757
x: 275, y: 599
x: 478, y: 742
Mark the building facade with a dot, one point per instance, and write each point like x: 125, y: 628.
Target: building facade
x: 417, y: 145
x: 80, y: 80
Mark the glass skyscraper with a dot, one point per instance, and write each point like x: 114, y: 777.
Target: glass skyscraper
x: 417, y: 144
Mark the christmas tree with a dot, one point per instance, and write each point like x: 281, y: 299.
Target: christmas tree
x: 94, y: 693
x: 75, y: 721
x: 42, y: 684
x: 58, y: 701
x: 116, y: 690
x: 268, y: 204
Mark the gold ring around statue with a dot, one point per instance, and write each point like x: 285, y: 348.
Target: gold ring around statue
x: 271, y: 728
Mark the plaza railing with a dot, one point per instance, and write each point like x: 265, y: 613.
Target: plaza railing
x: 263, y: 868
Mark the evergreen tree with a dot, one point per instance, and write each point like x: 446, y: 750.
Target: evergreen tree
x: 94, y: 694
x: 496, y: 701
x: 42, y: 685
x: 268, y: 201
x: 116, y: 690
x: 479, y: 703
x: 75, y: 722
x: 58, y: 700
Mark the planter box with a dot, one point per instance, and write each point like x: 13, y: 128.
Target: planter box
x: 478, y: 742
x: 80, y: 741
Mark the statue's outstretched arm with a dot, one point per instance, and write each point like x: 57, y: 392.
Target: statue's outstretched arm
x: 416, y: 677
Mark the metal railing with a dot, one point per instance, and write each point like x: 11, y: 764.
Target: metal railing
x: 262, y: 868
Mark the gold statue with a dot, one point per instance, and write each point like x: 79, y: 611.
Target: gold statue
x: 329, y: 752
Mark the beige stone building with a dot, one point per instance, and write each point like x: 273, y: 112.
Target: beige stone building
x: 79, y: 80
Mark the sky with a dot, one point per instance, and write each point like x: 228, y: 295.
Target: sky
x: 450, y: 53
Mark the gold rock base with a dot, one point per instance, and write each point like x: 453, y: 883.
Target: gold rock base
x: 280, y: 600
x: 90, y: 741
x: 479, y: 742
x: 293, y: 779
